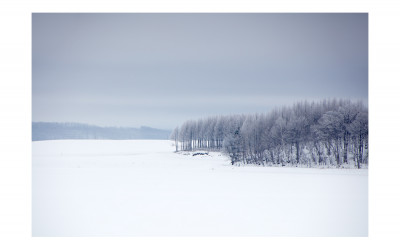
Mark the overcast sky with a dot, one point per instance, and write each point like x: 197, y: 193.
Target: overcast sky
x: 159, y: 70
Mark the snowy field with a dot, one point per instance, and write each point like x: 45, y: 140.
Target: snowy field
x: 143, y: 188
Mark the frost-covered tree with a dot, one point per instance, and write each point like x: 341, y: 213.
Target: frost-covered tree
x: 174, y: 136
x: 359, y: 131
x: 233, y: 146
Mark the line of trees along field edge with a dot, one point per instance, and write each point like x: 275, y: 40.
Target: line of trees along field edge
x: 329, y: 132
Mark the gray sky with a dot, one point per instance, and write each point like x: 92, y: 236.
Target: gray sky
x: 159, y: 70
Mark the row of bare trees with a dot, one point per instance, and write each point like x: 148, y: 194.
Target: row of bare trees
x: 330, y: 132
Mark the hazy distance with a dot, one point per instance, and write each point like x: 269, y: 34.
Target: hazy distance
x: 159, y: 70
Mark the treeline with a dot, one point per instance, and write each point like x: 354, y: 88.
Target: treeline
x: 330, y: 132
x: 59, y: 131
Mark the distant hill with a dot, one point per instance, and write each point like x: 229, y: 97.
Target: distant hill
x: 58, y: 131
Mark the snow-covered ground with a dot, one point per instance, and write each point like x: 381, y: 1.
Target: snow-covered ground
x: 143, y: 188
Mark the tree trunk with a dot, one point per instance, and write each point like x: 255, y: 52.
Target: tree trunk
x: 345, y: 146
x: 360, y: 148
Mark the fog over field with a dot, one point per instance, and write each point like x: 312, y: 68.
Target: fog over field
x: 58, y: 131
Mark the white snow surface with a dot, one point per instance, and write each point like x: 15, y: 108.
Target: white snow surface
x: 143, y: 188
